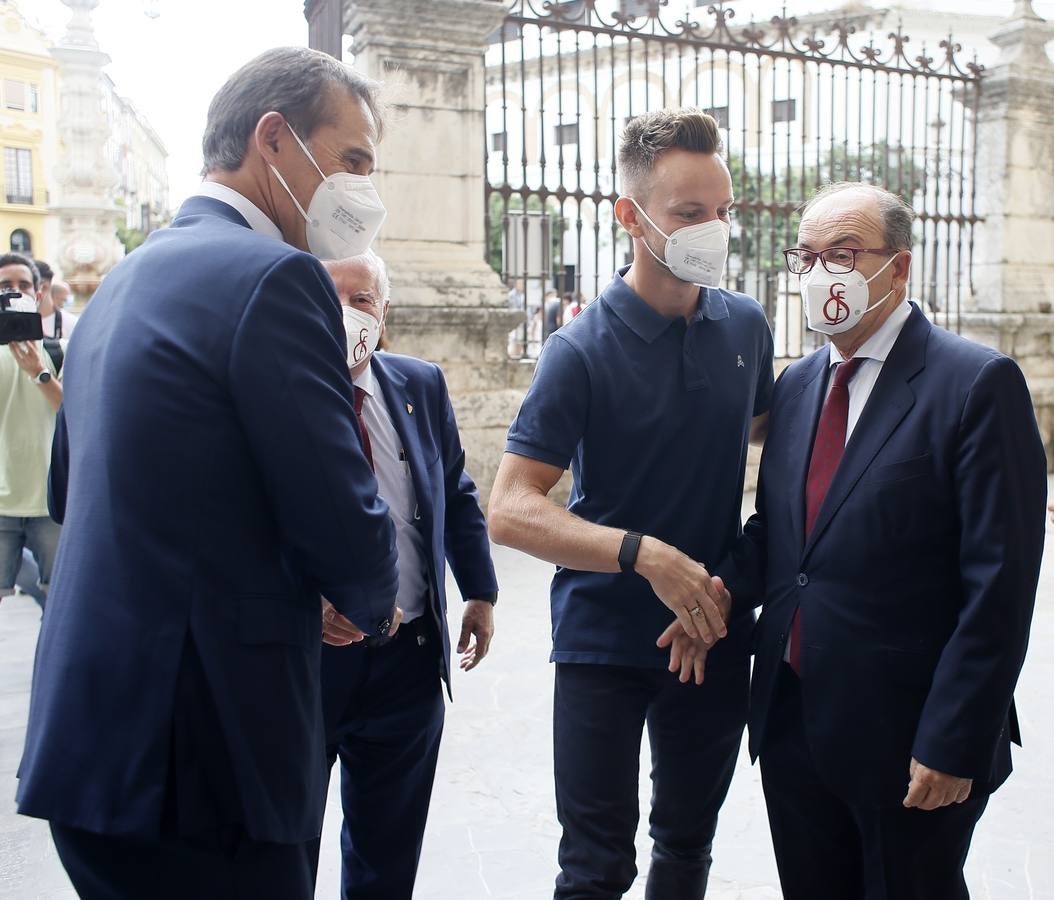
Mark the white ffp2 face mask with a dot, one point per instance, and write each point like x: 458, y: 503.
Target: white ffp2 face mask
x: 837, y: 303
x: 345, y: 212
x: 24, y: 303
x: 364, y: 332
x: 695, y: 253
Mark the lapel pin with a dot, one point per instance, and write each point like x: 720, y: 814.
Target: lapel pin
x: 410, y: 408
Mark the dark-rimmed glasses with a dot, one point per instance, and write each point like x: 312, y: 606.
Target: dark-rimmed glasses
x: 836, y: 260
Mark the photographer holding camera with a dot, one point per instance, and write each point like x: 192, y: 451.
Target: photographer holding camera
x: 30, y: 395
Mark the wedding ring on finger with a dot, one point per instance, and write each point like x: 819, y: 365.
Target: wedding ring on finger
x: 698, y: 611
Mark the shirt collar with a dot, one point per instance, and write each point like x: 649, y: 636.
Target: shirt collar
x: 366, y: 381
x: 881, y: 342
x: 252, y: 214
x: 646, y: 322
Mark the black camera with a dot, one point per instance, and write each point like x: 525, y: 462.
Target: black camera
x: 18, y: 326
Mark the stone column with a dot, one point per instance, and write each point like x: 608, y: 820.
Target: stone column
x: 448, y: 305
x: 88, y: 217
x: 1012, y: 306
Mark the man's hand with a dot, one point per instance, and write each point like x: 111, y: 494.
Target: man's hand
x: 477, y: 622
x: 930, y: 789
x: 688, y: 655
x: 686, y: 589
x: 339, y: 631
x: 25, y: 354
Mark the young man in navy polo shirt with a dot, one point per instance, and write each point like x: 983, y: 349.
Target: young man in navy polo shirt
x: 650, y: 395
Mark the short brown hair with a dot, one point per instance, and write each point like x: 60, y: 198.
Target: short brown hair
x: 648, y: 136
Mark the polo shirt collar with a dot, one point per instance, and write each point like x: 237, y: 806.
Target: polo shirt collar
x: 646, y: 322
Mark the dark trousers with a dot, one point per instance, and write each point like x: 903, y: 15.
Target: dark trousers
x: 384, y: 715
x: 599, y: 713
x: 830, y: 847
x: 103, y: 867
x: 203, y: 851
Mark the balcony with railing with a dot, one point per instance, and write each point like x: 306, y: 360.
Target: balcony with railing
x: 21, y: 196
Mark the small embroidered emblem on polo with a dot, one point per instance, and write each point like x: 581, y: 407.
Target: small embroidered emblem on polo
x: 739, y: 362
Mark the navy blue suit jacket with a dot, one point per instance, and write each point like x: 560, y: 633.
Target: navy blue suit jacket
x: 918, y: 580
x: 209, y: 474
x: 448, y: 511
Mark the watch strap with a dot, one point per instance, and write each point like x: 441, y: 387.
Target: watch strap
x: 627, y: 555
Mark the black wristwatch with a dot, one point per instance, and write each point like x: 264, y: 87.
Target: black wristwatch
x: 491, y: 598
x: 627, y: 555
x: 42, y: 377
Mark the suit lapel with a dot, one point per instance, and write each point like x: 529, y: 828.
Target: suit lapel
x: 802, y: 414
x: 404, y: 415
x: 890, y: 400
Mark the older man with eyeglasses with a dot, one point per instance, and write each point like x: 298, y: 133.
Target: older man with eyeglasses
x: 896, y: 550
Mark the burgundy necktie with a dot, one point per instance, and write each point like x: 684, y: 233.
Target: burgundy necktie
x: 360, y: 395
x: 827, y: 452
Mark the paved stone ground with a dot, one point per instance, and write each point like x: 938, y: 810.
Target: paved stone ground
x: 493, y: 830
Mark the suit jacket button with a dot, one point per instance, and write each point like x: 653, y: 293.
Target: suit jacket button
x: 803, y: 579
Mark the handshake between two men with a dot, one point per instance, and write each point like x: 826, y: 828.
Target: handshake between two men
x: 701, y: 603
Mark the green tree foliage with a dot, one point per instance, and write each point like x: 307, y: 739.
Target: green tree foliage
x: 130, y: 237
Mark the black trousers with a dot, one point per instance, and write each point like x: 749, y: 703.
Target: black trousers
x: 829, y: 847
x: 384, y: 715
x: 599, y: 714
x: 103, y: 867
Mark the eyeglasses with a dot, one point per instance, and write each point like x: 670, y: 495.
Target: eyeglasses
x: 836, y: 260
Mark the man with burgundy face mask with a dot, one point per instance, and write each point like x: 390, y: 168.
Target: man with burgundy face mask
x: 896, y: 549
x: 650, y: 395
x: 383, y: 699
x: 215, y: 489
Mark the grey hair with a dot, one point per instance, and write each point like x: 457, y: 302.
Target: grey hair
x: 380, y: 270
x: 897, y: 216
x: 293, y: 81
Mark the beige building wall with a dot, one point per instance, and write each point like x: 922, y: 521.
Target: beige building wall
x: 29, y: 136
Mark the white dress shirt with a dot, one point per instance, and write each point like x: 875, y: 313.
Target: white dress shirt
x: 396, y: 486
x: 874, y: 352
x: 252, y: 214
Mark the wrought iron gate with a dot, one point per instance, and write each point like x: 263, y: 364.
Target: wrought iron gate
x: 800, y: 102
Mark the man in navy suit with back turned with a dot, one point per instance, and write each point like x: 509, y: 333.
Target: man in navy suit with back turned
x: 383, y: 700
x: 210, y: 474
x: 896, y: 549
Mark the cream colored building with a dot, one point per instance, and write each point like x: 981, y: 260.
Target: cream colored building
x: 80, y: 162
x: 29, y: 135
x: 140, y: 159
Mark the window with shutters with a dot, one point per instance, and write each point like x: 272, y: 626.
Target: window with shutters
x: 14, y: 94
